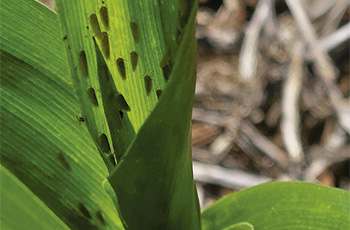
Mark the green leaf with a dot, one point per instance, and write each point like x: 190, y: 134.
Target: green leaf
x: 127, y: 34
x: 240, y: 226
x: 138, y: 40
x: 282, y: 205
x: 158, y: 165
x: 157, y: 175
x: 15, y: 215
x: 42, y: 143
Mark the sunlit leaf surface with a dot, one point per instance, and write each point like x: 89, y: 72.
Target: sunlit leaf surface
x: 282, y: 205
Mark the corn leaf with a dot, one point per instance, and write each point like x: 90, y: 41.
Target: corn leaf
x: 138, y: 41
x: 240, y: 226
x: 282, y: 205
x: 42, y: 142
x: 157, y: 166
x: 15, y: 215
x: 119, y: 97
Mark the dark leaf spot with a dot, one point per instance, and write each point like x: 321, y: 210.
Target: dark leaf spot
x: 166, y: 72
x: 104, y: 16
x: 100, y: 217
x: 80, y: 118
x: 135, y: 31
x: 112, y: 159
x: 148, y: 84
x: 62, y: 159
x: 92, y: 96
x: 105, y: 45
x: 122, y: 102
x: 83, y: 63
x: 121, y: 68
x: 78, y: 221
x: 165, y: 63
x: 104, y: 143
x: 65, y: 37
x: 159, y: 92
x: 95, y: 25
x: 84, y: 211
x: 134, y: 59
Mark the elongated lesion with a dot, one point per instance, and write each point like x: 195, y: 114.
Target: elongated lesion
x: 134, y: 59
x: 121, y: 68
x: 62, y: 159
x: 92, y: 96
x: 148, y: 84
x: 83, y: 63
x: 95, y: 25
x: 135, y: 31
x: 105, y: 45
x: 104, y: 17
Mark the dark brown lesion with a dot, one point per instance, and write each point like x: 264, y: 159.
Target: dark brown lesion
x: 134, y: 59
x: 92, y: 96
x: 95, y: 25
x: 83, y: 210
x: 159, y: 93
x: 148, y: 84
x: 62, y: 159
x: 100, y: 217
x: 121, y: 68
x: 104, y: 143
x: 121, y: 114
x: 104, y: 17
x: 105, y: 45
x: 122, y: 102
x: 135, y: 31
x: 166, y: 72
x: 83, y: 63
x: 165, y: 63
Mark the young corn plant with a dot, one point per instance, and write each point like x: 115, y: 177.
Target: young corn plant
x: 96, y: 104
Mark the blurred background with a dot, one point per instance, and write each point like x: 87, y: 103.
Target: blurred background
x: 272, y: 94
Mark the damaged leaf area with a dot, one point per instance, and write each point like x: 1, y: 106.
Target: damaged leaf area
x: 148, y: 51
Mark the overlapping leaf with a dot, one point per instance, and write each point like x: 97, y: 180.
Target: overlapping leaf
x: 138, y: 40
x: 15, y: 215
x: 42, y: 143
x: 157, y: 167
x: 155, y: 173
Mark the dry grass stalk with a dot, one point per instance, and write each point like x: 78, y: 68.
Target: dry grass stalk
x: 290, y: 107
x: 229, y: 178
x: 323, y: 66
x: 248, y: 56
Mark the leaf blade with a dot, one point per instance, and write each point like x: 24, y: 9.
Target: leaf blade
x: 42, y: 143
x: 158, y: 164
x: 282, y: 205
x: 15, y: 215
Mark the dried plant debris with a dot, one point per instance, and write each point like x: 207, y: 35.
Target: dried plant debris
x: 272, y: 93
